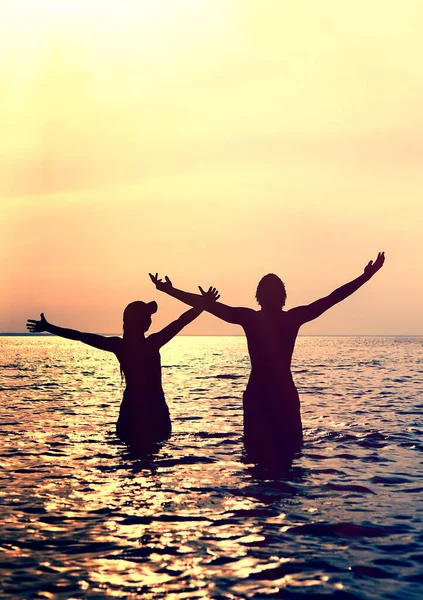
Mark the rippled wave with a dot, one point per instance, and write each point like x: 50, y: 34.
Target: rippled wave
x: 82, y: 518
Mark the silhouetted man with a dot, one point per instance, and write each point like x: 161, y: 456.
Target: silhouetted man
x: 272, y: 418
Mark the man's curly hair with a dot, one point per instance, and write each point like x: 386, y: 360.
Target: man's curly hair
x: 269, y: 287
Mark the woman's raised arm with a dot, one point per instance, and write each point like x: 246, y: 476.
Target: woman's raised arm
x: 92, y: 339
x: 167, y: 333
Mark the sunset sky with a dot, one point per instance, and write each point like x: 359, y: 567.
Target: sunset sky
x: 214, y: 141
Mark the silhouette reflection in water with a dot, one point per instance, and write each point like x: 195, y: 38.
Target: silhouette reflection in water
x: 144, y: 416
x: 272, y: 418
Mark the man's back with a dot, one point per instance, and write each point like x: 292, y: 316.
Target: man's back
x: 272, y: 420
x: 271, y: 339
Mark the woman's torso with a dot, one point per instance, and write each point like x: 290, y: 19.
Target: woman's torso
x: 143, y: 410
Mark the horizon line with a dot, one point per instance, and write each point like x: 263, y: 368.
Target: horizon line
x: 20, y: 334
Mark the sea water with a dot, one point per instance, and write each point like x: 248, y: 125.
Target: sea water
x: 83, y: 518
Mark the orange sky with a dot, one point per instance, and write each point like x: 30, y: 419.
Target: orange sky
x: 213, y: 141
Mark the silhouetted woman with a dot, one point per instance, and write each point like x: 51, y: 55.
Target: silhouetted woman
x: 272, y: 419
x: 144, y: 415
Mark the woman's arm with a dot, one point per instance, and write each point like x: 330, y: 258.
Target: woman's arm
x: 230, y: 314
x: 92, y: 339
x: 307, y: 313
x: 167, y: 333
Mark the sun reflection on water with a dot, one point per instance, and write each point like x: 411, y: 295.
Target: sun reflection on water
x: 82, y: 517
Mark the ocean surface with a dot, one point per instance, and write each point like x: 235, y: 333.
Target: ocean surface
x: 82, y: 518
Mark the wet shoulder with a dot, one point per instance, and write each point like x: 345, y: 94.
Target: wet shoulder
x: 152, y: 344
x: 281, y: 321
x: 145, y: 350
x: 115, y: 343
x: 248, y: 315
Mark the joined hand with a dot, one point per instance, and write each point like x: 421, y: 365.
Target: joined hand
x: 212, y: 294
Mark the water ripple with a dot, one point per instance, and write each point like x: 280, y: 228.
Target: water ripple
x: 83, y: 518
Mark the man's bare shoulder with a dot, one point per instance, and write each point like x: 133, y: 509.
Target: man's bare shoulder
x: 248, y: 314
x: 281, y: 317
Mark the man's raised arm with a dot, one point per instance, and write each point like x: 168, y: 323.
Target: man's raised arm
x: 315, y: 309
x: 230, y: 314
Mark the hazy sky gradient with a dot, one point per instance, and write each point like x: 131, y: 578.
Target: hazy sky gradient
x: 214, y: 141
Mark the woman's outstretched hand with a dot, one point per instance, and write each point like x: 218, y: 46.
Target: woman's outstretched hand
x: 37, y: 326
x: 163, y: 286
x: 372, y: 267
x: 211, y: 295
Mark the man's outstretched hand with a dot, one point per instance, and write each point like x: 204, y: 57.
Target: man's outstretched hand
x: 37, y: 326
x: 372, y: 267
x: 211, y: 295
x: 163, y: 286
